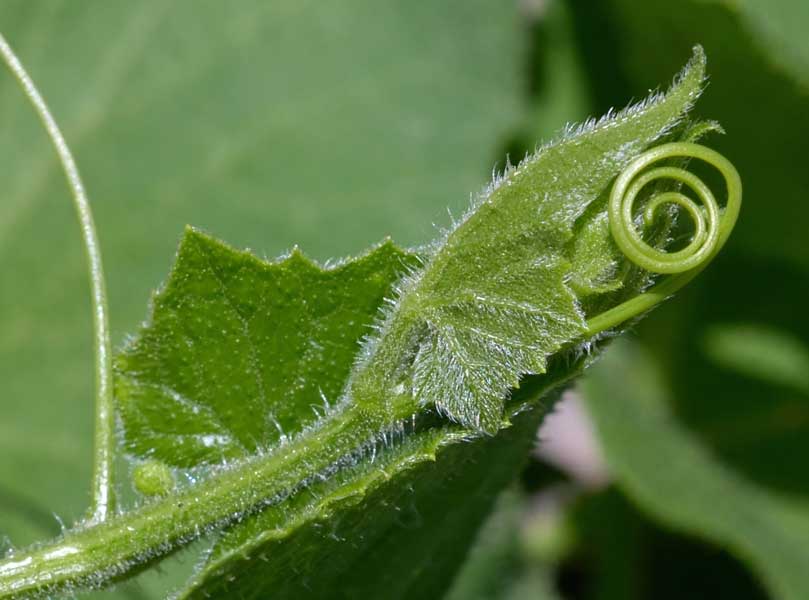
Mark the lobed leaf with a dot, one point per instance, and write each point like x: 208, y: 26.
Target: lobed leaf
x: 240, y: 353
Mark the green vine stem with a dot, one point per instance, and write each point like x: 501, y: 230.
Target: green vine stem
x: 91, y: 556
x: 94, y: 555
x: 103, y: 500
x: 712, y: 224
x: 111, y: 546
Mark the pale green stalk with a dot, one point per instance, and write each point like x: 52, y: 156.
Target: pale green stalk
x: 103, y: 500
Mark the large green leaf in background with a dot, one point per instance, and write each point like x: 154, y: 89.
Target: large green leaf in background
x: 557, y: 87
x: 780, y: 30
x: 677, y: 480
x: 267, y: 123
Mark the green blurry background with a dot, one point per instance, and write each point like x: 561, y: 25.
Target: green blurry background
x: 332, y: 125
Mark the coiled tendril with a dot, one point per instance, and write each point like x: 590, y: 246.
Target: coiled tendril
x: 712, y: 224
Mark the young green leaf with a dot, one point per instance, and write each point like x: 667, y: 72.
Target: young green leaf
x: 239, y: 353
x: 493, y: 300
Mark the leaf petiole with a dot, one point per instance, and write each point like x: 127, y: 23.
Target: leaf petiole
x: 103, y: 497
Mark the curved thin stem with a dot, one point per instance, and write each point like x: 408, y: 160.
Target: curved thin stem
x: 103, y: 502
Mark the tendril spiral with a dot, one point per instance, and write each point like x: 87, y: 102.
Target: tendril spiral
x: 712, y: 224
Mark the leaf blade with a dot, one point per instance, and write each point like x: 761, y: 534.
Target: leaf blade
x: 239, y: 353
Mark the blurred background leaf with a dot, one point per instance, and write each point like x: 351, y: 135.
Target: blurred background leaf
x: 267, y: 124
x: 499, y: 565
x: 675, y: 479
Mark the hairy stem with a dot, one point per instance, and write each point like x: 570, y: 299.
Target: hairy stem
x: 103, y: 500
x: 95, y: 554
